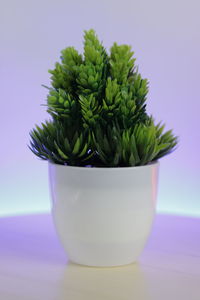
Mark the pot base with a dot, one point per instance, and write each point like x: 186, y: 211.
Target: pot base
x: 102, y: 254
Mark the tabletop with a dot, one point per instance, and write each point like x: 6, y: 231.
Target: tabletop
x: 34, y: 266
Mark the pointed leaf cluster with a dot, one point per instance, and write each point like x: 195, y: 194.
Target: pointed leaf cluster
x: 97, y: 104
x: 92, y: 73
x: 52, y: 142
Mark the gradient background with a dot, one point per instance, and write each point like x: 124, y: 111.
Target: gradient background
x: 165, y: 36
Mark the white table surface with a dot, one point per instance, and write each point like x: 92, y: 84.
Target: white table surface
x: 34, y: 266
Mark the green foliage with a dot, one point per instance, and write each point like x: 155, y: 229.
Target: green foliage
x: 64, y: 75
x: 63, y: 106
x: 93, y: 71
x: 54, y: 142
x: 134, y: 146
x: 121, y: 62
x: 97, y: 105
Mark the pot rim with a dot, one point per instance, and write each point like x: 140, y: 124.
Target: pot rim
x: 149, y: 165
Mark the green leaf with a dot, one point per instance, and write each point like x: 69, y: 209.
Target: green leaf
x: 76, y: 147
x: 63, y: 155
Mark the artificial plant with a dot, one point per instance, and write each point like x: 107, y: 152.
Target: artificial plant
x: 97, y: 104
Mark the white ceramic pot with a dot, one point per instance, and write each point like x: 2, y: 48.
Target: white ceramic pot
x: 103, y: 216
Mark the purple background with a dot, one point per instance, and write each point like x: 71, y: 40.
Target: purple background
x: 166, y: 39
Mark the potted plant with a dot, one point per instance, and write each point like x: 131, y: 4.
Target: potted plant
x: 102, y: 149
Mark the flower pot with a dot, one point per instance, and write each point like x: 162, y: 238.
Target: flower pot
x: 103, y: 216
